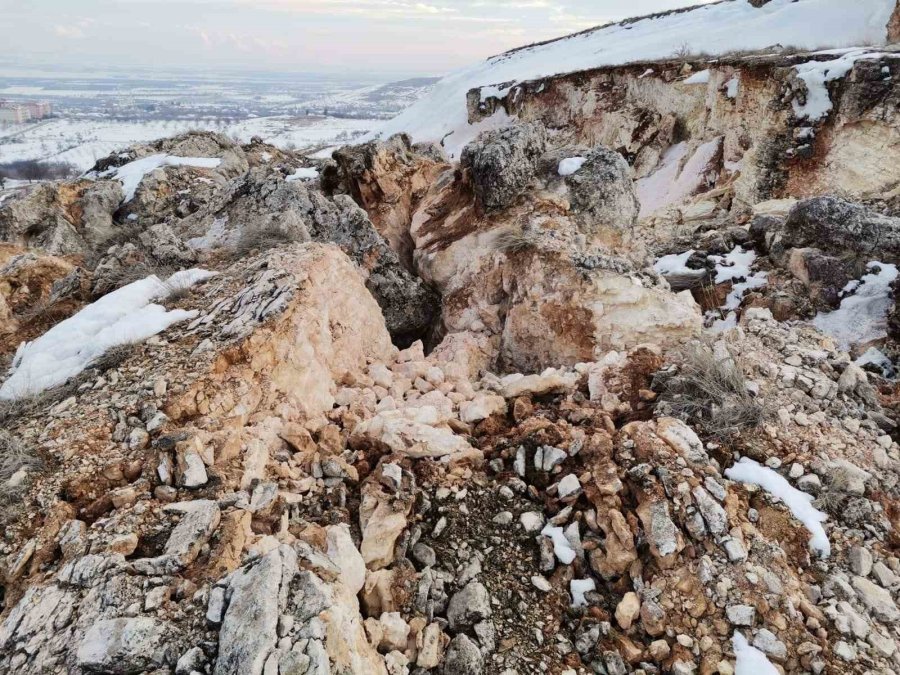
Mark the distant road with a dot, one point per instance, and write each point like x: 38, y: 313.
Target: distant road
x: 26, y: 129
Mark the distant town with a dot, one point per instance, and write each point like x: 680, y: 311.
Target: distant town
x: 15, y: 112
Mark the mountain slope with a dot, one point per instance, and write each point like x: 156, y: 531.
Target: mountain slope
x: 710, y: 29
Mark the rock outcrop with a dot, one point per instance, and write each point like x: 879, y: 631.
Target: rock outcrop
x: 417, y: 417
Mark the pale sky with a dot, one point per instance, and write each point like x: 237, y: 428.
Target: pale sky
x: 355, y: 36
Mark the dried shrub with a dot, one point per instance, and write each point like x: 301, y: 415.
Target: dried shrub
x: 836, y: 491
x: 14, y: 456
x: 262, y: 239
x: 710, y: 391
x: 514, y: 240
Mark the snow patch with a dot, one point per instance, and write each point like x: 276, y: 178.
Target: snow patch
x: 133, y: 173
x: 736, y: 268
x: 304, y: 173
x: 561, y: 546
x: 579, y: 587
x: 124, y: 316
x: 670, y: 183
x: 750, y: 660
x: 862, y: 315
x: 816, y: 75
x: 570, y: 165
x: 799, y: 503
x: 701, y: 77
x: 674, y: 263
x: 731, y: 87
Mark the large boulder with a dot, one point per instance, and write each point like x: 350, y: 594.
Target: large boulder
x: 838, y: 226
x: 602, y: 192
x: 502, y: 163
x: 126, y: 646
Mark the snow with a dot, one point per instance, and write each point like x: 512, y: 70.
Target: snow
x: 570, y: 165
x: 862, y: 315
x: 731, y: 87
x: 442, y: 115
x: 304, y: 173
x: 816, y: 75
x: 701, y: 77
x: 750, y: 660
x: 875, y: 357
x: 674, y: 263
x: 561, y: 546
x: 579, y: 587
x: 133, y: 173
x: 124, y: 316
x: 217, y: 236
x: 735, y: 267
x: 670, y: 183
x: 799, y: 503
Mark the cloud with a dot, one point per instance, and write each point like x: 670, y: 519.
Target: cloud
x: 74, y: 30
x: 71, y: 32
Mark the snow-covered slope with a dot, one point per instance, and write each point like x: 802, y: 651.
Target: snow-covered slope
x: 710, y: 29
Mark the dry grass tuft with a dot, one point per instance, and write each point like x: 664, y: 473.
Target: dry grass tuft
x: 836, y: 491
x: 14, y: 456
x: 514, y: 240
x: 710, y: 391
x: 262, y: 239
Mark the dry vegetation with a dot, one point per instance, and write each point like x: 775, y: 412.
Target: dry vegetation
x: 514, y: 240
x: 14, y: 456
x: 710, y: 390
x: 262, y: 239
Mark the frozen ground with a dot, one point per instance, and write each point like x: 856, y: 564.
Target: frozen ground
x: 83, y: 142
x: 97, y: 115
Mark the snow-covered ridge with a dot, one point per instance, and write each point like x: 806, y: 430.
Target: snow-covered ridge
x: 712, y: 29
x: 133, y: 173
x: 124, y: 316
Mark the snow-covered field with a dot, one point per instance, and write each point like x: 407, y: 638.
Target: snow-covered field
x: 83, y: 142
x: 711, y: 29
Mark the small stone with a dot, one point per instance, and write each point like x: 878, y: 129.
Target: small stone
x: 540, y: 583
x: 766, y: 641
x: 627, y: 610
x: 860, y: 561
x: 469, y: 606
x: 845, y: 651
x: 569, y: 486
x: 735, y: 550
x: 660, y: 650
x: 503, y: 518
x: 532, y: 521
x: 741, y: 615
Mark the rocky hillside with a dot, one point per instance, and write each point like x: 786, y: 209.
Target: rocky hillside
x: 611, y: 390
